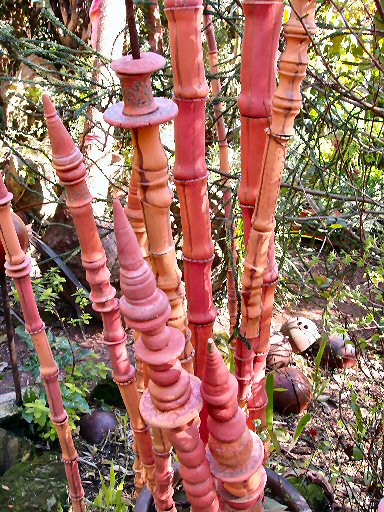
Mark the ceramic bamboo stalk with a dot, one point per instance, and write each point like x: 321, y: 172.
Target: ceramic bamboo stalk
x: 213, y: 59
x: 68, y: 163
x: 190, y: 173
x: 257, y: 402
x: 134, y: 213
x: 151, y: 168
x: 154, y: 27
x: 258, y: 82
x: 286, y: 105
x: 18, y: 267
x: 144, y: 116
x: 172, y: 401
x: 235, y: 454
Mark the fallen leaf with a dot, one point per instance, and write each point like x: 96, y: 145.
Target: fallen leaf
x: 271, y: 505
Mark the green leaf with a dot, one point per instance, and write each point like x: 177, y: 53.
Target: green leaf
x: 299, y: 429
x: 269, y: 387
x: 357, y: 453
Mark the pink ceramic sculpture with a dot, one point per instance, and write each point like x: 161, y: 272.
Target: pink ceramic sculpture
x: 258, y: 82
x: 172, y: 401
x: 190, y: 172
x: 68, y: 163
x: 235, y: 454
x: 18, y: 267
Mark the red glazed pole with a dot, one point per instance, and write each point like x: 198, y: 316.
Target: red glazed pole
x: 68, y: 163
x: 258, y: 82
x: 286, y: 105
x: 213, y: 59
x: 18, y: 267
x: 172, y: 401
x: 235, y: 454
x: 190, y: 172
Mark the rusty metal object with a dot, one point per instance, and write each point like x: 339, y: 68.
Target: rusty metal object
x: 339, y: 352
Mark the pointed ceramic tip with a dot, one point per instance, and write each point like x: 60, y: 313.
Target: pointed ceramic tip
x: 211, y: 346
x: 49, y: 107
x: 5, y: 196
x: 128, y: 249
x: 62, y: 144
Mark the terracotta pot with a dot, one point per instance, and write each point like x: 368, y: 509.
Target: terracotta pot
x: 339, y: 352
x: 280, y: 352
x: 302, y: 333
x: 298, y: 391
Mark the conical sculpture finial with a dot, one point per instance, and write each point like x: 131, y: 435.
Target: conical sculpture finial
x: 68, y: 163
x: 172, y: 400
x: 235, y: 454
x: 64, y: 152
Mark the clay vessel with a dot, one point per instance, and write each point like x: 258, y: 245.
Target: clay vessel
x: 339, y: 352
x: 94, y: 427
x: 301, y: 332
x: 297, y: 393
x: 280, y: 352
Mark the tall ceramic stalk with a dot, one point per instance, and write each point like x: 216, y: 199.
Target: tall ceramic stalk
x: 134, y: 213
x: 286, y: 105
x: 144, y: 117
x: 258, y: 82
x: 18, y: 267
x: 68, y: 163
x: 190, y: 172
x: 235, y: 454
x: 213, y: 59
x: 172, y: 401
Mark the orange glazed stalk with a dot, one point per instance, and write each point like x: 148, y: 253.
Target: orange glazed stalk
x: 143, y: 115
x: 213, y: 58
x: 172, y: 401
x: 18, y: 267
x: 286, y: 105
x: 258, y: 82
x: 190, y: 172
x: 150, y: 166
x: 68, y: 163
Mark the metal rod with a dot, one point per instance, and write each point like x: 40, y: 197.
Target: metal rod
x: 133, y: 36
x: 10, y: 337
